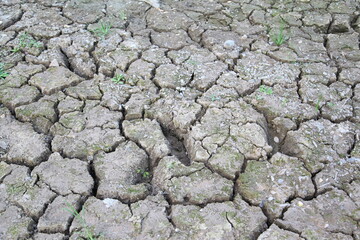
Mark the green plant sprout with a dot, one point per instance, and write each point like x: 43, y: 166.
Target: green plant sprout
x: 119, y: 79
x: 3, y: 74
x: 279, y: 38
x: 317, y: 106
x: 192, y: 62
x: 171, y: 165
x: 214, y: 98
x: 122, y: 15
x: 102, y: 30
x: 16, y: 49
x: 25, y: 41
x: 87, y: 232
x: 330, y: 104
x: 265, y: 89
x: 144, y: 173
x: 284, y: 102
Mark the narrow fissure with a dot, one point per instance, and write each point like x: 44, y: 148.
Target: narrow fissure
x: 176, y: 146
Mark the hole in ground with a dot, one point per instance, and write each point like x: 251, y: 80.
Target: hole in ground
x: 177, y: 147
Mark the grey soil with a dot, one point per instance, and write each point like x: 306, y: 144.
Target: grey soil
x: 180, y: 119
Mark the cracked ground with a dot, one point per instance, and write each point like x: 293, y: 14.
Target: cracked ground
x: 192, y: 119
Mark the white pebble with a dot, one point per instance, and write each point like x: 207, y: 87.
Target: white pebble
x: 229, y: 44
x: 109, y: 202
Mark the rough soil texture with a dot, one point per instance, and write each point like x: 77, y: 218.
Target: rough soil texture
x: 192, y: 119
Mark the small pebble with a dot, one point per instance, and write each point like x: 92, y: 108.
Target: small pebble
x: 54, y: 63
x: 109, y: 202
x: 276, y: 139
x: 300, y: 204
x: 229, y: 44
x: 153, y: 3
x: 280, y: 181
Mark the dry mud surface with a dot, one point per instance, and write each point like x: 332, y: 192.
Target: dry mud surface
x: 192, y: 119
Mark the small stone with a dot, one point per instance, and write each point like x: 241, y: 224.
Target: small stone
x: 54, y: 63
x: 229, y: 44
x: 109, y: 202
x: 153, y: 3
x: 300, y: 204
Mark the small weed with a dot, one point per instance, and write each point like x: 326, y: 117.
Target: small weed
x: 125, y: 48
x: 122, y: 15
x: 330, y: 104
x: 102, y: 30
x: 3, y: 74
x: 119, y: 79
x: 265, y: 89
x: 16, y: 49
x: 133, y: 190
x: 284, y: 102
x: 16, y: 188
x: 317, y: 106
x: 25, y: 41
x: 347, y: 47
x: 279, y: 38
x: 215, y: 98
x: 34, y: 43
x: 144, y: 173
x: 192, y: 62
x: 87, y: 233
x: 171, y: 165
x: 274, y: 14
